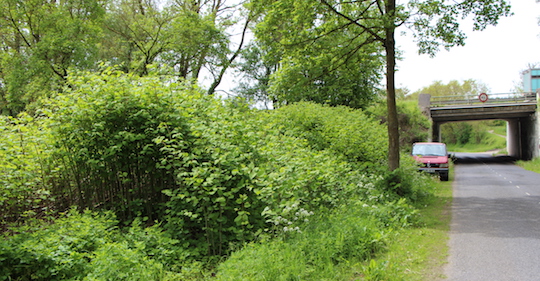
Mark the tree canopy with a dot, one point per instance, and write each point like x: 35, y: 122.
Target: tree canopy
x: 44, y: 40
x: 465, y: 88
x: 363, y: 31
x: 327, y: 51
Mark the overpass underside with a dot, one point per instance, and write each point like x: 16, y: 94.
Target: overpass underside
x: 522, y: 129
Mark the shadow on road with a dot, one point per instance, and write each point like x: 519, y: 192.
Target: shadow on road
x: 478, y: 158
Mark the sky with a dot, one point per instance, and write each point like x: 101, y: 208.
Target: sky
x: 495, y: 56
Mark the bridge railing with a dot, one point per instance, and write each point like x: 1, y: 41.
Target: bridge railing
x: 440, y: 101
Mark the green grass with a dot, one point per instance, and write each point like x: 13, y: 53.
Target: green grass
x: 420, y: 253
x: 498, y: 129
x: 532, y: 165
x: 492, y: 142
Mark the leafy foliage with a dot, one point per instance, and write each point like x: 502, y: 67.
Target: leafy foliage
x: 105, y: 127
x: 41, y: 40
x: 88, y: 246
x: 240, y: 175
x: 216, y: 166
x: 227, y: 173
x: 468, y: 89
x: 350, y: 133
x: 320, y: 252
x: 209, y: 175
x: 413, y: 125
x: 322, y: 62
x: 24, y: 148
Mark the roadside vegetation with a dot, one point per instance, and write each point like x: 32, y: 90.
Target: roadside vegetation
x: 121, y: 160
x: 475, y: 136
x: 532, y: 165
x: 129, y: 178
x: 420, y: 253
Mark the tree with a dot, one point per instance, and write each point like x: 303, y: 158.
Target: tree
x: 44, y: 40
x: 137, y: 34
x: 255, y: 71
x: 467, y: 89
x: 434, y: 24
x: 321, y: 61
x: 41, y: 40
x: 187, y: 36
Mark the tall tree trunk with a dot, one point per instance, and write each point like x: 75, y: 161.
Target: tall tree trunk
x: 393, y: 127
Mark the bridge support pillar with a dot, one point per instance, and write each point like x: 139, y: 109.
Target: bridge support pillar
x: 529, y: 137
x: 513, y: 133
x: 435, y: 132
x: 522, y: 137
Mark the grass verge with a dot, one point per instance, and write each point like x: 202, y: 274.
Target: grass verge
x: 419, y: 253
x: 532, y: 165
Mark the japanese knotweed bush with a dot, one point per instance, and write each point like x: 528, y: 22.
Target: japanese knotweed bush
x: 217, y: 174
x: 241, y: 176
x: 342, y: 130
x: 218, y: 198
x: 24, y: 148
x: 300, y: 181
x: 105, y: 126
x: 149, y: 147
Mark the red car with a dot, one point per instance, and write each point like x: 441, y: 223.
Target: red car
x: 432, y: 157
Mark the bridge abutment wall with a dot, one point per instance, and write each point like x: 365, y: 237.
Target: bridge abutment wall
x: 531, y: 137
x: 523, y: 137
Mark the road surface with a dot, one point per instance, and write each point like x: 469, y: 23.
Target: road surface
x: 495, y: 229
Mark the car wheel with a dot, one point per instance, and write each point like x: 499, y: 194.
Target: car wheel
x: 443, y: 177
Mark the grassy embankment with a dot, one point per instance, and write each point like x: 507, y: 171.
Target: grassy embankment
x: 421, y: 253
x: 532, y: 165
x: 494, y: 141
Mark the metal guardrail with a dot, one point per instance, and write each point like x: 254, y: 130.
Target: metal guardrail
x: 483, y: 99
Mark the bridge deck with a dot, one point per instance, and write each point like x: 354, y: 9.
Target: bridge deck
x: 501, y: 106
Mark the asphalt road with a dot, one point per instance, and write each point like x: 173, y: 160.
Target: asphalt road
x: 495, y: 229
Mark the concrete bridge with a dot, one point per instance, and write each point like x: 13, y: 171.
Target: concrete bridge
x: 519, y: 110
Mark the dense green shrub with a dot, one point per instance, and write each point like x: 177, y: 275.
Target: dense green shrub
x: 105, y: 126
x: 57, y: 252
x: 217, y: 200
x: 216, y: 175
x: 243, y: 173
x: 302, y: 182
x: 89, y: 246
x: 345, y: 131
x: 24, y: 149
x: 405, y: 182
